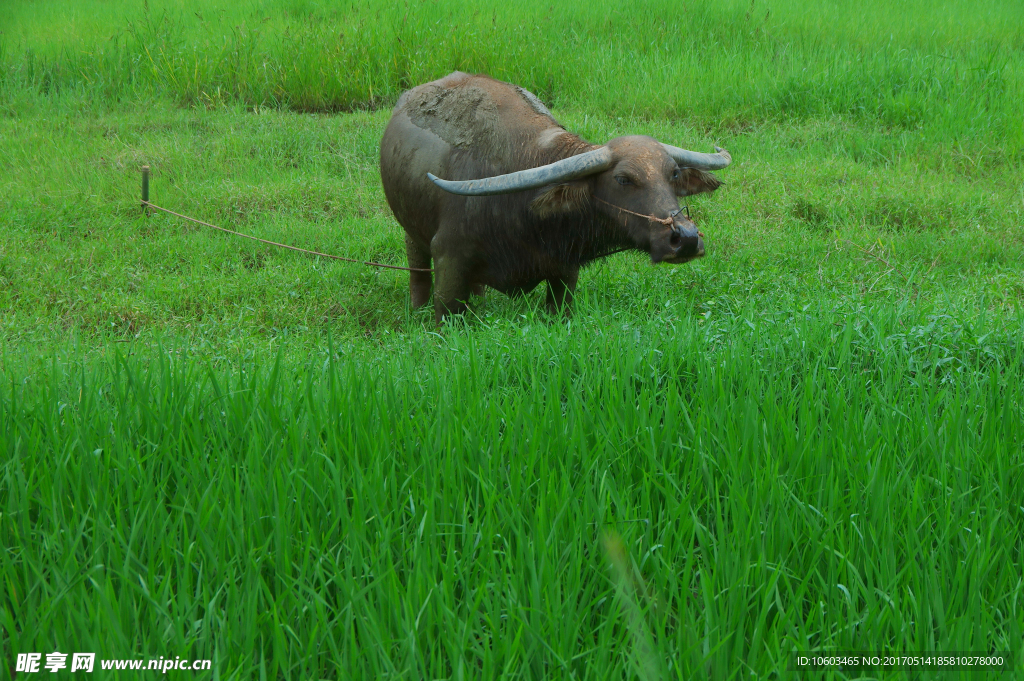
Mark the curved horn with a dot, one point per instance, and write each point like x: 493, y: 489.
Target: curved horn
x: 570, y: 168
x: 692, y: 159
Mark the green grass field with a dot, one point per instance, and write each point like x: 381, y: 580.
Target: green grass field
x: 810, y: 441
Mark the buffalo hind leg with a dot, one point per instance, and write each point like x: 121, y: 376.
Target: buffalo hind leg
x: 560, y: 293
x: 419, y: 282
x: 452, y: 281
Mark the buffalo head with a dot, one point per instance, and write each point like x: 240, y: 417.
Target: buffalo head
x: 634, y: 182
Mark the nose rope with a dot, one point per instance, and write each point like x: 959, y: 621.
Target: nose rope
x: 665, y: 221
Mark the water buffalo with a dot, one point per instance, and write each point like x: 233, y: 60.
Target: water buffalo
x: 524, y: 200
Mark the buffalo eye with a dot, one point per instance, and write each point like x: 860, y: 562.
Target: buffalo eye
x: 675, y: 174
x: 623, y: 180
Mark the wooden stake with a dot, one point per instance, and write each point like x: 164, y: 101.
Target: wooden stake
x: 145, y: 190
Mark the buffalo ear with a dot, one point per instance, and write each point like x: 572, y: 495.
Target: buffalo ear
x: 569, y: 197
x: 692, y: 181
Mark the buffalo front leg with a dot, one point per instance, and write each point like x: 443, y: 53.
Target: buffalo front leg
x: 419, y: 282
x: 560, y: 292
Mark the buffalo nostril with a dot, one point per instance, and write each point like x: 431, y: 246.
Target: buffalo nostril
x: 687, y: 245
x: 675, y: 240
